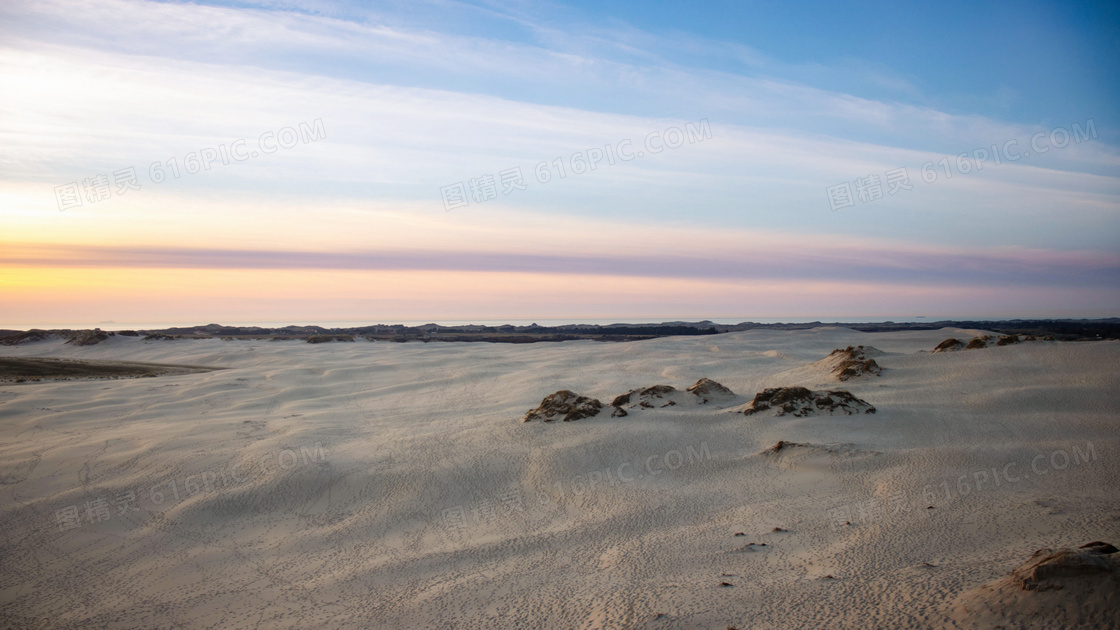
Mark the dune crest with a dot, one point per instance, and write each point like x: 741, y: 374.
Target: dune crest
x: 1054, y: 588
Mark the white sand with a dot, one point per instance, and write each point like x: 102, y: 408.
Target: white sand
x: 361, y: 533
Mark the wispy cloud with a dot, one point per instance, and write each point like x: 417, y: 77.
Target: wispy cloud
x: 771, y: 257
x: 91, y: 87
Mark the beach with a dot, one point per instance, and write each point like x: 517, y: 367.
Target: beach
x: 394, y: 485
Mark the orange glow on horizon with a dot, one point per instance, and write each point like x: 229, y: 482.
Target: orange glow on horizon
x: 309, y: 296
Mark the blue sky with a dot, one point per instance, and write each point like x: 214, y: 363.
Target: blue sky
x: 1026, y: 62
x: 413, y: 97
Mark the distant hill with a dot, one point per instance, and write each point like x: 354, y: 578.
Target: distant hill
x: 1060, y: 329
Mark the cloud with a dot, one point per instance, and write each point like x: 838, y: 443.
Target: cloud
x: 611, y: 68
x: 771, y: 257
x: 89, y: 88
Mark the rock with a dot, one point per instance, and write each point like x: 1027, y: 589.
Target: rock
x: 949, y: 345
x: 982, y: 341
x: 800, y: 402
x: 781, y: 445
x: 852, y: 362
x: 623, y: 399
x: 701, y: 392
x: 779, y: 396
x: 566, y: 405
x: 979, y: 342
x: 648, y: 398
x: 706, y: 389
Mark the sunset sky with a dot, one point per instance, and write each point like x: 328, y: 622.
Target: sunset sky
x: 319, y: 161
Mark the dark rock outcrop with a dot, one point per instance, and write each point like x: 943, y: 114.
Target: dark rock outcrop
x: 1006, y: 340
x: 707, y: 389
x: 782, y: 445
x: 949, y: 345
x: 854, y: 362
x: 648, y: 398
x: 982, y: 341
x: 570, y: 406
x: 800, y: 402
x: 566, y: 405
x: 623, y: 399
x: 701, y: 392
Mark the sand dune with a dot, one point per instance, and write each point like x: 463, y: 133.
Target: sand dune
x: 392, y: 485
x: 1064, y: 588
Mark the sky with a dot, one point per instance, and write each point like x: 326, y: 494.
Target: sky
x: 313, y: 161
